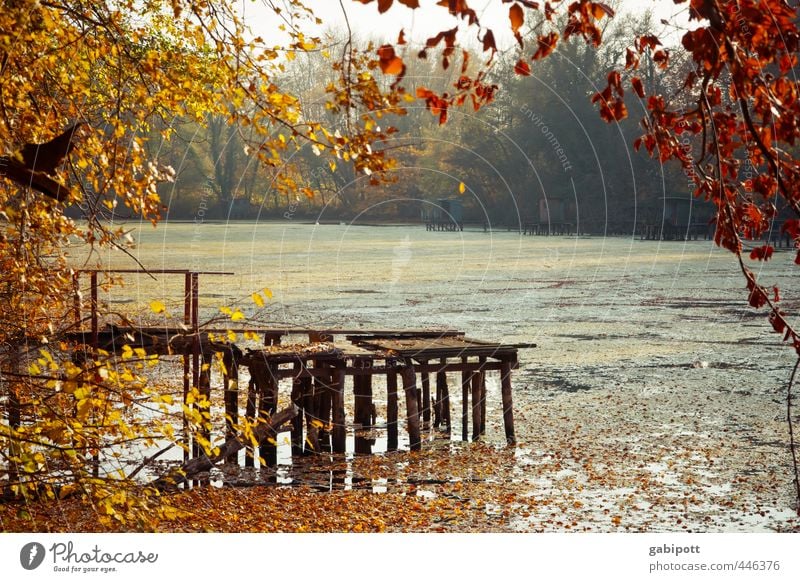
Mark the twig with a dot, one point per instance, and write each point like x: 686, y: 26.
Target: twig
x: 149, y: 460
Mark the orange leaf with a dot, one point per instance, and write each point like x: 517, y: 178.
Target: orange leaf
x: 516, y: 16
x: 390, y: 63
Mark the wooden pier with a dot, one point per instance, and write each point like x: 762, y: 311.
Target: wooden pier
x: 319, y: 373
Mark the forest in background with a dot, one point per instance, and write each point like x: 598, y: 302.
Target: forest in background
x: 540, y: 139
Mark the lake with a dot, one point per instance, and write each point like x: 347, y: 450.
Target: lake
x: 648, y: 356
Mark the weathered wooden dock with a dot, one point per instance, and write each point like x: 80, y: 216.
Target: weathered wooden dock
x: 321, y: 371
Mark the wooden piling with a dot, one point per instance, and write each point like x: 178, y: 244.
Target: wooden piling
x: 204, y: 389
x: 426, y: 398
x: 187, y: 314
x: 466, y: 382
x: 508, y: 413
x: 339, y: 444
x: 297, y: 400
x: 437, y: 401
x: 267, y: 383
x: 412, y: 410
x: 483, y: 395
x: 250, y: 416
x: 323, y: 393
x: 476, y: 406
x: 311, y: 410
x: 230, y: 386
x: 362, y: 393
x: 444, y: 391
x: 391, y: 406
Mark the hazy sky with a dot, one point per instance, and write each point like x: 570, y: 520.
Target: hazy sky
x: 427, y: 20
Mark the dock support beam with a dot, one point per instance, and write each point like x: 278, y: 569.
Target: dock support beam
x: 508, y: 413
x: 339, y: 428
x: 412, y: 410
x: 391, y: 405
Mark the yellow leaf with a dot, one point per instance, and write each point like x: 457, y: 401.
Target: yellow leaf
x: 462, y: 188
x: 237, y: 316
x: 157, y: 307
x: 257, y: 299
x: 267, y: 292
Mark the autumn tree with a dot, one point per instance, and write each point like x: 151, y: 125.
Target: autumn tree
x: 129, y: 74
x: 736, y: 105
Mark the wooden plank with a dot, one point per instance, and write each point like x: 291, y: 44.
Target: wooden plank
x: 508, y: 412
x: 412, y: 409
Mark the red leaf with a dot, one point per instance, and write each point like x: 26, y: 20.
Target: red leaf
x: 488, y: 42
x: 522, y: 68
x: 401, y: 38
x: 410, y: 3
x: 546, y: 45
x: 638, y: 88
x: 384, y: 5
x: 631, y: 59
x: 762, y: 253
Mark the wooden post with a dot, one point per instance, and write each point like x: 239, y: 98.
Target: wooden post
x: 391, y: 405
x: 359, y: 416
x: 204, y: 387
x: 363, y: 393
x: 187, y: 314
x: 230, y: 383
x: 508, y: 413
x: 267, y: 405
x: 194, y: 294
x: 297, y: 399
x: 311, y: 409
x: 466, y: 382
x: 444, y: 404
x: 339, y: 428
x: 250, y: 416
x: 476, y: 406
x: 437, y: 400
x: 323, y: 392
x: 412, y: 411
x: 483, y: 395
x: 426, y: 398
